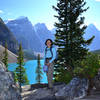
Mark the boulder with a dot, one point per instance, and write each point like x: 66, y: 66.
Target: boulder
x: 8, y: 89
x: 77, y: 88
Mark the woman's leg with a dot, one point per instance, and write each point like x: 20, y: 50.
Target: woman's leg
x: 50, y: 75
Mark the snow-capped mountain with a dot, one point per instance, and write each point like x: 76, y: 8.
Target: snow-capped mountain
x: 24, y: 32
x: 34, y: 37
x: 43, y: 33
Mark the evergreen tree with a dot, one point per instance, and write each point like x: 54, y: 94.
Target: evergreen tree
x: 15, y: 77
x: 20, y: 70
x: 70, y: 29
x: 5, y: 58
x: 38, y: 70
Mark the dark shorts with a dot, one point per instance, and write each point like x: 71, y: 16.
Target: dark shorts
x: 47, y: 60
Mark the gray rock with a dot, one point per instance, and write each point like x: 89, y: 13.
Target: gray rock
x: 42, y: 93
x: 97, y: 82
x: 8, y: 90
x: 77, y: 88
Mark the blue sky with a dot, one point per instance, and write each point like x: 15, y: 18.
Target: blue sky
x: 41, y: 11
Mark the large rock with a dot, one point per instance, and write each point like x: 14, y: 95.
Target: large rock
x: 76, y: 89
x: 8, y: 90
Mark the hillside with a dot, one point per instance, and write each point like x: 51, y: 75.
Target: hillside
x: 96, y: 51
x: 11, y: 56
x: 7, y: 35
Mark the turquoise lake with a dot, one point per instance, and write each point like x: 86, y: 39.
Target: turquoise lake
x: 30, y: 70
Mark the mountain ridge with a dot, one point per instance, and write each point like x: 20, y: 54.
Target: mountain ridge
x: 24, y: 32
x: 42, y: 33
x: 7, y: 36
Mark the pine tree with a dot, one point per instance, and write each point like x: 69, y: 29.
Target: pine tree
x: 20, y: 70
x: 70, y: 29
x: 38, y: 70
x: 5, y: 58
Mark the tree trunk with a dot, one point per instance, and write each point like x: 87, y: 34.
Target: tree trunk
x: 91, y: 84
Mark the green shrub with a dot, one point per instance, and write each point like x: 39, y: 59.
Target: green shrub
x: 88, y: 67
x: 63, y: 76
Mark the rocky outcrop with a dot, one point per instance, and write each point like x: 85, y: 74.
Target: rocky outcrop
x: 76, y: 89
x: 8, y: 90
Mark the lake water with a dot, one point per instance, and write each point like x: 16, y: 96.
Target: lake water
x: 30, y: 70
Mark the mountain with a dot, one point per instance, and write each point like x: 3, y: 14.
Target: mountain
x: 24, y: 32
x: 7, y: 35
x: 43, y: 32
x: 11, y: 56
x: 90, y: 31
x: 96, y: 51
x: 32, y: 37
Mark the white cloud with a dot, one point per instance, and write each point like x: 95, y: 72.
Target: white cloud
x: 97, y: 25
x: 1, y: 12
x: 50, y: 26
x: 97, y: 0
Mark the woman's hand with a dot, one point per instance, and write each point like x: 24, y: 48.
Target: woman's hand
x: 48, y: 64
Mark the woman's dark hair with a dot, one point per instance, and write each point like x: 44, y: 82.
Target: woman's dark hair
x: 50, y: 41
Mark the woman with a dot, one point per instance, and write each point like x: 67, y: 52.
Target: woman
x: 49, y: 57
